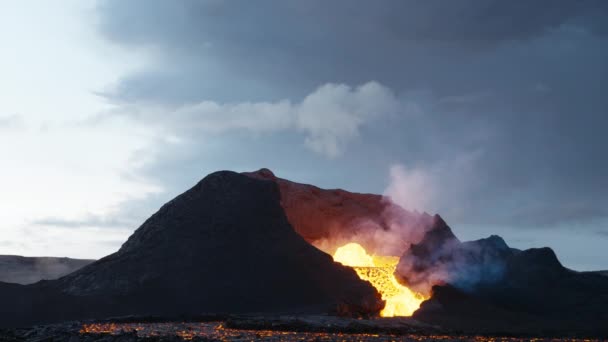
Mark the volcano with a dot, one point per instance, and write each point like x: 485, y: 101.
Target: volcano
x: 480, y: 286
x: 256, y: 243
x: 224, y: 246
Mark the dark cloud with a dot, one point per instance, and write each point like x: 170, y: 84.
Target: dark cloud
x: 294, y: 25
x: 478, y: 22
x: 518, y: 83
x: 267, y: 49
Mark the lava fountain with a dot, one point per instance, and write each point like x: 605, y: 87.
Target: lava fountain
x: 379, y: 271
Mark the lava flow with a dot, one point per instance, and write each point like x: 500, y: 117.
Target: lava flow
x: 379, y: 271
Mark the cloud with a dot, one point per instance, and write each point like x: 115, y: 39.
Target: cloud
x: 10, y: 121
x: 478, y: 22
x: 333, y: 114
x: 254, y: 24
x: 125, y: 215
x: 329, y: 118
x: 268, y: 51
x: 517, y: 80
x: 90, y: 221
x: 413, y: 189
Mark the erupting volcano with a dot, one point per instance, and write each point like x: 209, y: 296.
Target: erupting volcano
x: 379, y: 271
x: 254, y: 250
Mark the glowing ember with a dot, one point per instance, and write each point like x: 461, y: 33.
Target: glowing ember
x: 378, y: 270
x: 216, y: 331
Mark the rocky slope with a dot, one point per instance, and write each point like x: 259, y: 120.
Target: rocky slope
x: 430, y: 253
x: 481, y: 285
x: 28, y: 270
x: 485, y: 286
x: 223, y: 246
x: 329, y: 218
x: 236, y: 243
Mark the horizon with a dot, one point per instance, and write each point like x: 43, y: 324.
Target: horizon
x: 496, y: 125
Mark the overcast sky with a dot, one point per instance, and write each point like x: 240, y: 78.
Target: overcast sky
x: 490, y: 113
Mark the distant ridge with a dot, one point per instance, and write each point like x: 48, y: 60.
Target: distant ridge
x: 28, y: 270
x: 604, y: 273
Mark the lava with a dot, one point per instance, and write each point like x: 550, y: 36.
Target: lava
x: 216, y: 331
x: 379, y: 271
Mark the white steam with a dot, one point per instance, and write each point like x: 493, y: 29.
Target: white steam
x: 411, y: 188
x: 441, y: 187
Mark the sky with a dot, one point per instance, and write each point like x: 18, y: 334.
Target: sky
x: 491, y: 113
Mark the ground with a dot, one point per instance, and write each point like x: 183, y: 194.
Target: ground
x: 248, y: 328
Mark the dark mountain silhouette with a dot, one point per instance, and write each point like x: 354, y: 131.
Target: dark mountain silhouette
x: 604, y: 273
x: 486, y: 286
x: 227, y: 245
x: 28, y: 270
x: 223, y: 246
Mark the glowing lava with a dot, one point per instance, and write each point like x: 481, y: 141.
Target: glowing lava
x: 378, y: 270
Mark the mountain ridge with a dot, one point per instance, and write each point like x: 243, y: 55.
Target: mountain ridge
x: 228, y: 243
x: 225, y: 245
x: 28, y: 270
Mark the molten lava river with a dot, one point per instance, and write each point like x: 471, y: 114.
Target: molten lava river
x: 379, y: 271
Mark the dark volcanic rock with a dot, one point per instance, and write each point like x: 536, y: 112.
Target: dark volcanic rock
x: 28, y: 270
x: 603, y: 273
x: 575, y: 308
x: 535, y: 282
x: 485, y: 286
x: 453, y: 308
x: 223, y: 246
